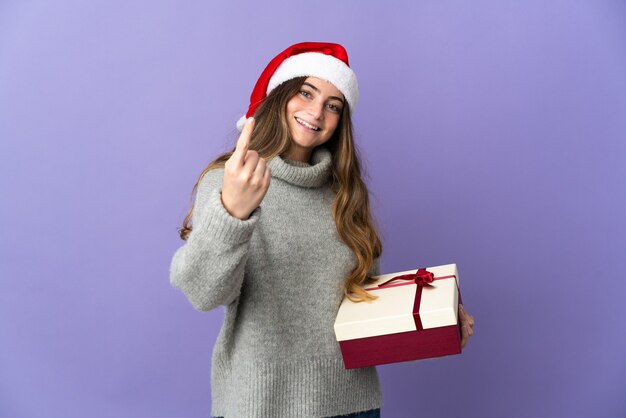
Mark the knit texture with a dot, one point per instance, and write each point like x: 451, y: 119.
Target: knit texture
x: 280, y: 275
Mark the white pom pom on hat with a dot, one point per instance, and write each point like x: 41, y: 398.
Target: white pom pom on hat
x: 324, y: 60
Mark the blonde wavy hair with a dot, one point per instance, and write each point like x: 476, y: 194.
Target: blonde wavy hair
x: 351, y: 209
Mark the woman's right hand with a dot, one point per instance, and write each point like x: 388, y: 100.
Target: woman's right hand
x: 246, y: 177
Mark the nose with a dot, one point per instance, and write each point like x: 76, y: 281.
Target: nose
x: 316, y: 109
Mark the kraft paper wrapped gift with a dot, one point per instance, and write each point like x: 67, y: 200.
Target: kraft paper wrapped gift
x: 414, y: 317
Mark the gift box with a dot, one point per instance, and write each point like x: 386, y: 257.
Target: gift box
x: 415, y: 317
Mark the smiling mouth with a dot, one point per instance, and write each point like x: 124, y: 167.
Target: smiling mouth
x: 306, y: 124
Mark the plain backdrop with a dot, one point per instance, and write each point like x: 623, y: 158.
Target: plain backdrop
x: 493, y: 134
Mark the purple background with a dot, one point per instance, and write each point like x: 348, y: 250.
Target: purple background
x: 494, y: 134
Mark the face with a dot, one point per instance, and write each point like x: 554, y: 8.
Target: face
x: 312, y: 115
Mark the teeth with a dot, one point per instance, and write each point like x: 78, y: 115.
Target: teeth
x: 308, y: 125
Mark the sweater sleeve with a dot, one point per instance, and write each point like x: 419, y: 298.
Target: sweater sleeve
x: 209, y: 267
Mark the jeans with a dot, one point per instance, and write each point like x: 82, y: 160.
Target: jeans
x: 372, y: 413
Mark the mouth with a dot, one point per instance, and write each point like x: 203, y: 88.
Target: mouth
x: 307, y: 124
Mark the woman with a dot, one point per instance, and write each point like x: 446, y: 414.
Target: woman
x: 282, y: 230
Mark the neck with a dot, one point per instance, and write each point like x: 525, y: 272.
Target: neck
x: 298, y: 154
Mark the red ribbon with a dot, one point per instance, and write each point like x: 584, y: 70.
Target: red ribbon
x: 421, y: 278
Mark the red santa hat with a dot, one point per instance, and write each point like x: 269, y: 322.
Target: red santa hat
x: 323, y: 60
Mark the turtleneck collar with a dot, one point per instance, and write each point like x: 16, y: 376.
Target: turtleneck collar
x: 302, y: 174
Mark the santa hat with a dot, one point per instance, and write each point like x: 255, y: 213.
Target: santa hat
x: 323, y: 60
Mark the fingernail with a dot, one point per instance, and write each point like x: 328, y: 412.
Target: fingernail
x: 250, y: 119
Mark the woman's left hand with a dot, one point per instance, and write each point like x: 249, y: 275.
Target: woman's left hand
x: 467, y: 325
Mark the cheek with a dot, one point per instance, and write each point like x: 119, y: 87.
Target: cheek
x: 288, y: 108
x: 334, y: 123
x: 293, y: 104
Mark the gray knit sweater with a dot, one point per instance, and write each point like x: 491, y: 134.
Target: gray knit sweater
x: 280, y: 275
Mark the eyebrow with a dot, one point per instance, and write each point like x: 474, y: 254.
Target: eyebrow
x: 318, y: 90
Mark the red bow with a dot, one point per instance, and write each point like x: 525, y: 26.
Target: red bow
x: 420, y: 278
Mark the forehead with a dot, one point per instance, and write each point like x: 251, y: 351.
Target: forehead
x: 325, y: 87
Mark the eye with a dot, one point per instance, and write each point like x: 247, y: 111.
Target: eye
x: 305, y: 93
x: 334, y: 108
